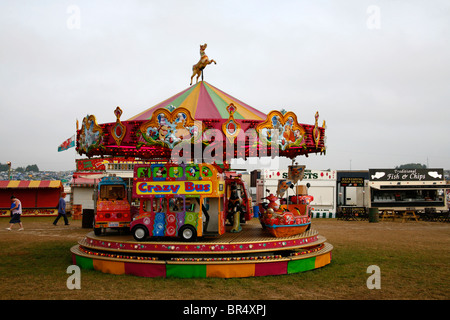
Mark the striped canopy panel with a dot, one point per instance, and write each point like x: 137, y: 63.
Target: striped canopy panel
x: 12, y: 184
x: 204, y: 102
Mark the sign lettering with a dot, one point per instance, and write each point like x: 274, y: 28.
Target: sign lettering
x: 173, y: 187
x: 352, y: 181
x: 406, y: 174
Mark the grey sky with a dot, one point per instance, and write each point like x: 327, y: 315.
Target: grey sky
x: 377, y: 71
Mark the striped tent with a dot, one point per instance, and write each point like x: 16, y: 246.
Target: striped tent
x: 17, y: 184
x: 205, y: 102
x: 38, y: 197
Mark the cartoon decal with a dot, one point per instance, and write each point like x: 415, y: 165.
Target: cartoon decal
x: 168, y: 129
x: 91, y: 135
x: 282, y: 130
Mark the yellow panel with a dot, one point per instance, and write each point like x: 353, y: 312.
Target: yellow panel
x: 109, y: 266
x: 34, y: 184
x: 323, y: 260
x: 230, y: 270
x: 190, y: 102
x: 13, y: 184
x: 55, y: 184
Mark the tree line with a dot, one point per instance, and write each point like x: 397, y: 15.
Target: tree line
x: 411, y: 166
x: 29, y: 168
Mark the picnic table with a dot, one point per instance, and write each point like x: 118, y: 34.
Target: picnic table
x: 403, y: 214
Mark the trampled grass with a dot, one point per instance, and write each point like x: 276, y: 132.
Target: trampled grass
x: 413, y: 259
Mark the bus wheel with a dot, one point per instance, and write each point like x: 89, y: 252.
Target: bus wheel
x: 140, y: 233
x: 187, y: 233
x: 97, y: 231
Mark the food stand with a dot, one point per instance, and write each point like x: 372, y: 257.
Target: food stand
x: 38, y: 197
x: 414, y: 190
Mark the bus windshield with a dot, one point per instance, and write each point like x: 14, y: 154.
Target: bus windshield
x: 112, y: 192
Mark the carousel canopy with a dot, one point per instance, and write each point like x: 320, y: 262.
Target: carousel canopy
x: 201, y: 115
x: 205, y: 102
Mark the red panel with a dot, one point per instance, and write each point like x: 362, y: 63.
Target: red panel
x: 44, y: 184
x: 26, y: 196
x: 271, y: 268
x: 23, y: 184
x: 4, y: 183
x: 5, y: 198
x: 145, y: 269
x: 47, y: 198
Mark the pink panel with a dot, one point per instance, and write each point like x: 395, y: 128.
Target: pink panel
x: 206, y: 109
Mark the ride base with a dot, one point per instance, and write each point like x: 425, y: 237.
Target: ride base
x: 249, y: 253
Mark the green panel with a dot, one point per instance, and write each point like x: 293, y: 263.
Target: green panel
x: 176, y: 172
x: 185, y: 271
x: 179, y: 100
x: 221, y: 105
x: 206, y: 172
x: 191, y: 218
x: 301, y: 265
x: 192, y: 172
x: 84, y: 263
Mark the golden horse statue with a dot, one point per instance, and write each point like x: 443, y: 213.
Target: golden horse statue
x: 201, y: 64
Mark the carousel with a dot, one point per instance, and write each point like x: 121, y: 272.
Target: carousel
x: 184, y: 146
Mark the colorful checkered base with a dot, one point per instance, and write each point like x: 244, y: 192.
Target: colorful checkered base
x: 251, y: 253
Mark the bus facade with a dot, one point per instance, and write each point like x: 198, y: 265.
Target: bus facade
x: 112, y: 207
x: 185, y: 201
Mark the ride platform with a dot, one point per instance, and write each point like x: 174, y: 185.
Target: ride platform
x: 249, y: 253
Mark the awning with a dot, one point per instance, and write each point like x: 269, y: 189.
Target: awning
x: 17, y: 184
x: 86, y: 179
x: 411, y: 187
x: 416, y: 187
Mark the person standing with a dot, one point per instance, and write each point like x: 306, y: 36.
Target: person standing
x: 62, y: 210
x: 16, y: 211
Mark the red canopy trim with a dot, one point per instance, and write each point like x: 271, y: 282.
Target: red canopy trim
x: 17, y: 184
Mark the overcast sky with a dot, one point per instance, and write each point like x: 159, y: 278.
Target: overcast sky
x: 377, y: 71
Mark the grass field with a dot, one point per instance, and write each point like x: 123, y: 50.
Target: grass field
x: 413, y: 258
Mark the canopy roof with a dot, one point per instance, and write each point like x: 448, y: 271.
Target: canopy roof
x: 205, y: 101
x: 204, y: 116
x: 17, y: 184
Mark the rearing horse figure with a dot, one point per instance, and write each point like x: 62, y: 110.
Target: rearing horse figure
x: 201, y: 64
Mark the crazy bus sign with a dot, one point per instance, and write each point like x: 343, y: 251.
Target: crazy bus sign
x: 185, y: 201
x: 185, y: 187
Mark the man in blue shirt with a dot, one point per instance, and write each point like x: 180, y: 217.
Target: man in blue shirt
x: 62, y: 210
x: 16, y: 211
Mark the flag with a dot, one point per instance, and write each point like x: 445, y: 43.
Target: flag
x: 69, y: 143
x: 296, y: 173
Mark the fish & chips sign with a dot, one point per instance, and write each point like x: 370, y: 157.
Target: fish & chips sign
x: 406, y: 174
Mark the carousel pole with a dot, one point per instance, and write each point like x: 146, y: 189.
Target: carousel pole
x: 296, y: 184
